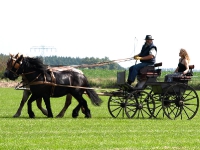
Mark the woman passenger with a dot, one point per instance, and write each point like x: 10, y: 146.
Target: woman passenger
x: 182, y: 68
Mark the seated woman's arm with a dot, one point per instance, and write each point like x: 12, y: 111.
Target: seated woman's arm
x: 186, y: 63
x: 176, y: 70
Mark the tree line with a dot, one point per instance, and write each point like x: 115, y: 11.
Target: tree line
x: 69, y: 61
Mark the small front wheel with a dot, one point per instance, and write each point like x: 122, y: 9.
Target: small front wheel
x: 139, y: 104
x: 116, y: 105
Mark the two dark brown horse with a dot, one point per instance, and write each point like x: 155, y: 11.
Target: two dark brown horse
x: 45, y: 83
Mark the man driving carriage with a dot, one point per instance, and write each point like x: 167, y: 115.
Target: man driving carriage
x: 147, y: 56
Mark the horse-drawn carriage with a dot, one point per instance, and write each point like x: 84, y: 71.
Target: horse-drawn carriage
x: 149, y: 99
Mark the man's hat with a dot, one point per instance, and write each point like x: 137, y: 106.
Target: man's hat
x: 148, y: 37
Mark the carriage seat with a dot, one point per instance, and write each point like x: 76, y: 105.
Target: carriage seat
x: 150, y: 71
x: 186, y: 77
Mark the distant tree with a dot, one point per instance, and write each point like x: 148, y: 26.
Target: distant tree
x: 3, y: 62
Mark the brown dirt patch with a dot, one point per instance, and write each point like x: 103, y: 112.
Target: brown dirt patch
x: 5, y: 84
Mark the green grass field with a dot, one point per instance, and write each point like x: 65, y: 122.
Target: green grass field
x: 99, y: 132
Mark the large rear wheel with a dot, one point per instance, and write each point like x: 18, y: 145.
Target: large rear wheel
x: 180, y: 101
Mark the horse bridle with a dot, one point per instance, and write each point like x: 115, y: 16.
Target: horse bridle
x: 14, y: 64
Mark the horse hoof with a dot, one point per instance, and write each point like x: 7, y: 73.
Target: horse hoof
x: 16, y: 116
x: 50, y: 116
x: 31, y: 116
x: 75, y: 114
x: 87, y: 114
x: 59, y: 116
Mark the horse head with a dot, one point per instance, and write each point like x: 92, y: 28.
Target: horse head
x: 13, y: 66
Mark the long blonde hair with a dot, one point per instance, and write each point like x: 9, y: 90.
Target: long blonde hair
x: 185, y: 54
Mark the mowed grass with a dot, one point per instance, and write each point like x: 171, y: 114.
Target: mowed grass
x: 101, y: 132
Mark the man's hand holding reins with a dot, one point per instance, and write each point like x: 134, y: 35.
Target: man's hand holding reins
x: 137, y: 58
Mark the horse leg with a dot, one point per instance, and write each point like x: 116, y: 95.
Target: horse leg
x: 26, y: 94
x: 67, y: 103
x: 86, y: 110
x: 82, y: 109
x: 39, y: 105
x: 76, y: 110
x: 82, y: 103
x: 30, y: 111
x: 48, y: 106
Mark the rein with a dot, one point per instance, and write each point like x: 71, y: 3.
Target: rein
x: 102, y: 63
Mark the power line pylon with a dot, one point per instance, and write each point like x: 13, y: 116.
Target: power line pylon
x: 43, y: 49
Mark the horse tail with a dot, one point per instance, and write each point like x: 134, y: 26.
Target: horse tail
x: 94, y: 97
x: 91, y: 92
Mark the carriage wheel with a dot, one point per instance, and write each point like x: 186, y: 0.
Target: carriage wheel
x: 116, y: 105
x: 139, y: 104
x: 180, y: 101
x: 158, y: 106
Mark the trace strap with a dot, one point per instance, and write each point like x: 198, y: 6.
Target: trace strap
x: 49, y: 83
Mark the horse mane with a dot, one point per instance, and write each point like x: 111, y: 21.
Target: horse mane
x: 36, y: 63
